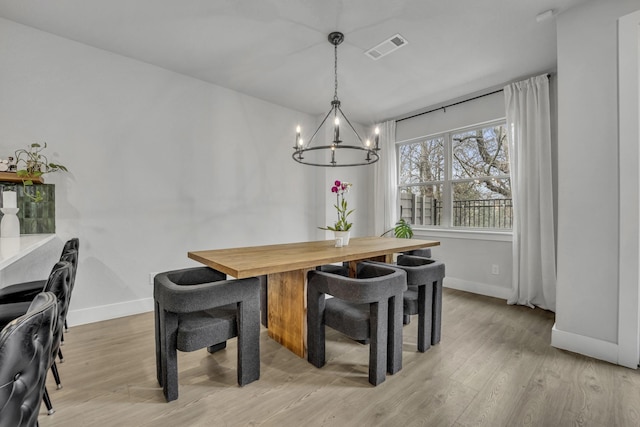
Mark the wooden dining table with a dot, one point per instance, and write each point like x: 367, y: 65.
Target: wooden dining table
x: 286, y: 266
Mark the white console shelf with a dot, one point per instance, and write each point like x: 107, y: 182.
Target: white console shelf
x: 13, y: 249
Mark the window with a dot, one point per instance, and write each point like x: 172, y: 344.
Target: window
x: 457, y: 179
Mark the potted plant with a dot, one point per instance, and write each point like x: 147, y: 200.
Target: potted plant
x: 402, y: 230
x: 341, y: 227
x: 31, y: 164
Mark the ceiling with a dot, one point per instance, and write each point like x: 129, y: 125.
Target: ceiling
x: 277, y: 50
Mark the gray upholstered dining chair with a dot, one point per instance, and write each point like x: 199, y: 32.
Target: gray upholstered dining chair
x: 25, y: 356
x: 197, y: 308
x: 423, y: 297
x: 365, y: 308
x: 422, y: 252
x: 341, y: 270
x: 264, y: 300
x: 436, y: 310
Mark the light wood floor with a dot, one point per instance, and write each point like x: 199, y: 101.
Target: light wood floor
x: 493, y: 367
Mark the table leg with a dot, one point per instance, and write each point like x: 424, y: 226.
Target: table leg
x: 287, y: 306
x: 353, y: 269
x: 287, y: 309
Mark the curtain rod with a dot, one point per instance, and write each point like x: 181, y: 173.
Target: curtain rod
x: 444, y: 107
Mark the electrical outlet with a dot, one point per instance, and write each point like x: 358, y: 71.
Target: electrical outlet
x: 151, y: 276
x: 495, y: 269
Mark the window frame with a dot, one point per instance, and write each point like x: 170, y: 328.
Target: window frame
x: 446, y: 221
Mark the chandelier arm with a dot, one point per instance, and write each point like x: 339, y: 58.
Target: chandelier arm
x: 319, y: 127
x: 351, y: 126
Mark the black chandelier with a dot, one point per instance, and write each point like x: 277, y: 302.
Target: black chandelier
x: 337, y: 144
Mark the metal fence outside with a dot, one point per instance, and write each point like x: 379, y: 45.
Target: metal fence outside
x: 481, y: 213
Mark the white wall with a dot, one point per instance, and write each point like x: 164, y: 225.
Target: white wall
x: 359, y: 197
x: 629, y: 149
x: 588, y: 239
x: 484, y: 109
x: 469, y: 257
x: 160, y: 164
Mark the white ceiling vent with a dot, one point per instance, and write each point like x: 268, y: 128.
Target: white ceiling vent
x: 386, y: 47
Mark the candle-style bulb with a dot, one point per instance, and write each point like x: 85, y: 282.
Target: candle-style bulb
x: 368, y: 143
x: 300, y: 142
x: 377, y: 137
x: 336, y: 130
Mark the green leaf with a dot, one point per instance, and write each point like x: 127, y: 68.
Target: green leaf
x: 403, y: 230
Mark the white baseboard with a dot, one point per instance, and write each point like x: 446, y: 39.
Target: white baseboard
x: 598, y: 349
x: 109, y: 311
x: 477, y: 288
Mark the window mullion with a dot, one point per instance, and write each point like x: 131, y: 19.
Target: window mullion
x: 447, y: 189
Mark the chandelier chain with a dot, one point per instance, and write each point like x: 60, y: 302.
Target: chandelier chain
x: 335, y: 71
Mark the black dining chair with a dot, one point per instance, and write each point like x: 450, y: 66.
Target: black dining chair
x: 197, y: 308
x: 25, y: 291
x: 59, y: 284
x: 25, y: 355
x: 368, y: 307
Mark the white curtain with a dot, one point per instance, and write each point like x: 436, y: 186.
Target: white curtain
x: 385, y: 187
x: 529, y: 127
